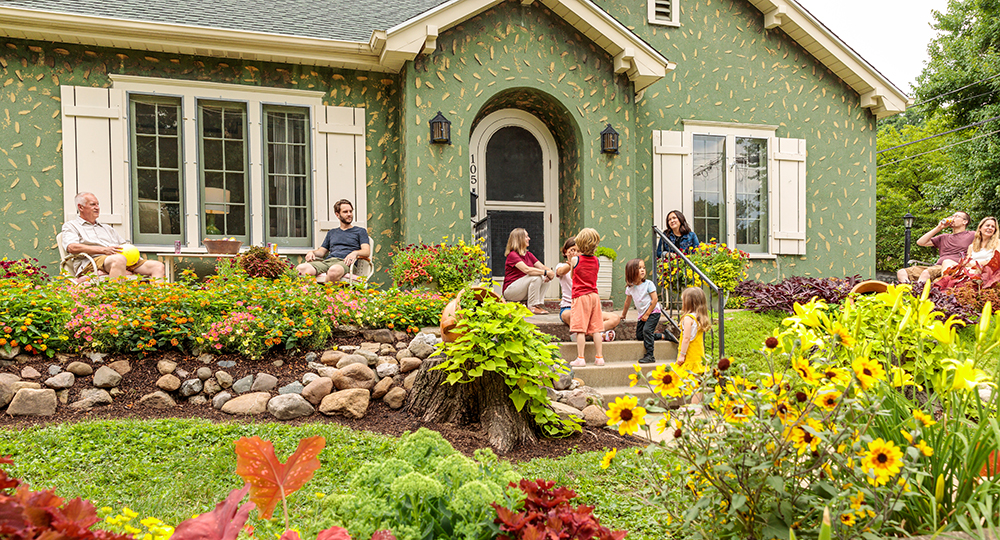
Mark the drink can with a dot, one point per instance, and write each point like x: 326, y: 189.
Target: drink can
x: 177, y: 246
x: 273, y: 248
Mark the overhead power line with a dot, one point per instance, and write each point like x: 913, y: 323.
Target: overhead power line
x: 939, y: 134
x: 939, y: 148
x: 953, y: 91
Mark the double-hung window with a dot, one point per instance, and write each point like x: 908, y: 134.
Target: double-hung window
x: 175, y: 160
x: 737, y: 184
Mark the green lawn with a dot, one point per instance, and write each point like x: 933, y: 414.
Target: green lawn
x: 172, y: 469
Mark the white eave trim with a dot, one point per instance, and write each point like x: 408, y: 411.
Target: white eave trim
x: 632, y: 56
x: 877, y: 93
x: 182, y: 39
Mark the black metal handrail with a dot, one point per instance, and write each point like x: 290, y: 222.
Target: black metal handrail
x: 658, y: 236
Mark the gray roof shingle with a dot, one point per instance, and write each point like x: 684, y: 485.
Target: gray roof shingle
x: 349, y: 20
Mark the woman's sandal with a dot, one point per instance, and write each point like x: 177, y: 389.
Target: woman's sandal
x: 539, y: 311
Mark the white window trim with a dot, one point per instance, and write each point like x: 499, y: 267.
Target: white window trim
x: 730, y: 131
x: 675, y: 13
x: 337, y: 150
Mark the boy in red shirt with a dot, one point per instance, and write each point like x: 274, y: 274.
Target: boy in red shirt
x: 585, y: 314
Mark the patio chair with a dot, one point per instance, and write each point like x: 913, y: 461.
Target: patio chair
x: 67, y: 263
x: 360, y: 271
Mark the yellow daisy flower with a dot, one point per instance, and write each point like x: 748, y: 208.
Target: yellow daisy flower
x: 737, y: 411
x: 924, y: 449
x: 924, y: 418
x: 625, y: 412
x: 837, y: 376
x: 667, y: 380
x: 805, y: 435
x: 841, y: 335
x: 608, y: 458
x: 785, y: 411
x: 882, y: 461
x: 806, y: 371
x: 868, y: 372
x: 847, y: 519
x: 828, y: 399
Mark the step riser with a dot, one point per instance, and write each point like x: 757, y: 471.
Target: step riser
x: 620, y: 351
x: 610, y: 375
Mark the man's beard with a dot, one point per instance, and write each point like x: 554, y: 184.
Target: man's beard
x: 345, y: 221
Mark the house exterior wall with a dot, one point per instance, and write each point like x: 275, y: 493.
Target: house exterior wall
x: 524, y: 57
x: 31, y: 168
x: 730, y: 69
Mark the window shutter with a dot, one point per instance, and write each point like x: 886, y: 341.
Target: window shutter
x: 788, y: 196
x: 94, y: 152
x: 672, y: 190
x: 340, y: 165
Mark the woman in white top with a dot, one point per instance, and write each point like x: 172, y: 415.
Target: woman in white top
x: 565, y: 275
x: 984, y: 245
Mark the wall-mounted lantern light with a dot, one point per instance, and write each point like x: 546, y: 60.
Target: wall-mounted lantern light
x: 440, y: 129
x: 609, y: 140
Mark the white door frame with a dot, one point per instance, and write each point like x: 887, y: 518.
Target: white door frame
x: 550, y: 178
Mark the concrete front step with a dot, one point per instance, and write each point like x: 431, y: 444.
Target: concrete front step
x: 620, y: 351
x: 611, y: 374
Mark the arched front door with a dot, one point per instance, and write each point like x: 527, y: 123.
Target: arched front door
x: 512, y: 171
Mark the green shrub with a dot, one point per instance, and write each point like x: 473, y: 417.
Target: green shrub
x: 34, y: 317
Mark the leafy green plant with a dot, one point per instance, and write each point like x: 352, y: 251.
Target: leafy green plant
x: 605, y: 251
x: 446, y: 267
x: 494, y: 337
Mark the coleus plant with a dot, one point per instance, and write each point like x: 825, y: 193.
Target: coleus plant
x: 548, y: 515
x: 41, y: 515
x: 268, y: 482
x: 984, y: 275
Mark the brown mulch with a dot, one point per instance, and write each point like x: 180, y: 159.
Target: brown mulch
x: 379, y: 419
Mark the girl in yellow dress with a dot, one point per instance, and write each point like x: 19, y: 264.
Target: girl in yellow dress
x: 694, y: 322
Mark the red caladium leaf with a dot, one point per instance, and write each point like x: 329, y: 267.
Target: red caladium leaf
x: 269, y: 479
x: 338, y: 533
x: 377, y: 535
x: 223, y: 523
x: 290, y: 535
x: 7, y: 482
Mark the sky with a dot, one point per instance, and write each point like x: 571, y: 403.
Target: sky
x: 891, y: 35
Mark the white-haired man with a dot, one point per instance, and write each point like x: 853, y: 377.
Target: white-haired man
x: 102, y: 242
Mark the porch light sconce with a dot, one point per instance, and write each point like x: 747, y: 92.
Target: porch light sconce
x: 440, y: 129
x: 609, y: 140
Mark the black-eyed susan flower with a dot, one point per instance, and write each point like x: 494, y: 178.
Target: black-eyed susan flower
x: 882, y: 461
x: 868, y: 372
x: 828, y: 399
x: 847, y: 519
x: 627, y: 414
x: 737, y: 411
x: 805, y: 436
x: 609, y: 457
x: 837, y: 376
x: 809, y: 375
x: 667, y: 381
x: 841, y: 336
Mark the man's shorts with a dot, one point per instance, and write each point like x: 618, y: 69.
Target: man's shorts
x: 585, y: 315
x: 100, y: 259
x: 913, y: 272
x: 326, y: 264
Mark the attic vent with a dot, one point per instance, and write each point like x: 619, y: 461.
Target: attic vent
x: 663, y: 12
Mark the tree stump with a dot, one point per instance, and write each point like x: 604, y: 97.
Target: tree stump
x: 485, y: 400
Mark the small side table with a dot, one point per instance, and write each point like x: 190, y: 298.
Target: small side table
x: 169, y: 258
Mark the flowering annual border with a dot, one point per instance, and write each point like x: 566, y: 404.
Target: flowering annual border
x: 448, y: 267
x: 725, y: 266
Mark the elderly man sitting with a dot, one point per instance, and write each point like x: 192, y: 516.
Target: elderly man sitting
x: 85, y: 235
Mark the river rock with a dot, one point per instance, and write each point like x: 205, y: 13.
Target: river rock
x: 168, y: 383
x: 80, y: 369
x: 212, y: 387
x: 14, y: 351
x: 106, y: 377
x: 382, y: 388
x: 395, y: 398
x: 387, y: 370
x: 30, y: 373
x: 409, y: 380
x: 166, y: 366
x: 289, y: 406
x: 315, y: 391
x: 97, y: 395
x: 294, y: 387
x: 121, y: 366
x: 331, y: 357
x: 409, y: 364
x: 242, y: 386
x: 595, y: 416
x: 358, y: 376
x: 349, y: 359
x: 221, y: 399
x: 54, y: 370
x: 204, y: 373
x: 421, y: 350
x: 566, y: 411
x: 224, y: 378
x: 31, y: 402
x: 352, y: 403
x: 370, y: 356
x: 264, y: 382
x: 191, y: 387
x: 61, y: 381
x: 157, y: 400
x: 247, y: 404
x: 309, y: 377
x: 206, y: 358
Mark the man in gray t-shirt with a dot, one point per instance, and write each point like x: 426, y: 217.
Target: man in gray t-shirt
x: 341, y: 247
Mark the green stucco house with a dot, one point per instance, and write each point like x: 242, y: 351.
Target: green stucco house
x: 226, y: 118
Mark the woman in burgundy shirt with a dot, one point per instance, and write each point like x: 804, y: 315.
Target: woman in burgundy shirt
x: 524, y: 275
